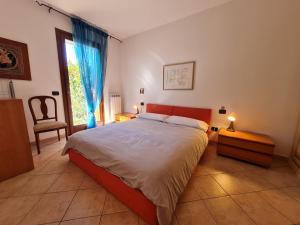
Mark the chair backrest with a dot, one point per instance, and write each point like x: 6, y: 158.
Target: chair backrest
x: 43, y: 108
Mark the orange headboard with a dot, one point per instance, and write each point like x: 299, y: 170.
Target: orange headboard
x: 195, y: 113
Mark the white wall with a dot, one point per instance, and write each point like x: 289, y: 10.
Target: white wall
x: 24, y: 21
x: 112, y: 80
x: 247, y: 58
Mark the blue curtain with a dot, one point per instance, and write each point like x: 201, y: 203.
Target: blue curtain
x: 91, y: 52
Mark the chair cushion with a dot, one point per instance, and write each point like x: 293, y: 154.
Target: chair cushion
x: 49, y: 126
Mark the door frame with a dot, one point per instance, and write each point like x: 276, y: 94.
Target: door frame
x: 61, y: 36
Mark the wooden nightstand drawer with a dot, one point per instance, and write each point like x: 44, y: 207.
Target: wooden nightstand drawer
x: 252, y: 146
x: 254, y: 157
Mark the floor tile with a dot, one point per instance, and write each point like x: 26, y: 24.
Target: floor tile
x: 227, y: 212
x: 83, y: 221
x: 73, y: 168
x: 207, y: 187
x: 189, y: 194
x: 113, y: 205
x: 51, y: 208
x: 279, y: 177
x: 214, y: 175
x: 279, y: 162
x: 234, y: 183
x: 259, y: 210
x: 238, y: 183
x: 205, y: 170
x: 57, y: 156
x: 10, y: 186
x: 37, y: 185
x: 201, y: 187
x: 287, y: 206
x: 219, y: 165
x: 122, y: 218
x: 53, y: 167
x: 88, y: 183
x: 293, y: 192
x: 12, y: 210
x: 189, y: 213
x: 50, y: 223
x: 174, y: 221
x: 88, y: 202
x: 47, y: 152
x: 67, y: 182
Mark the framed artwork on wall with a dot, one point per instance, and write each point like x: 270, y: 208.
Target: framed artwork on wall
x: 14, y: 60
x: 179, y: 76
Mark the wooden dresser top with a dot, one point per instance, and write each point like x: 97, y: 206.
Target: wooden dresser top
x: 247, y: 136
x: 9, y: 99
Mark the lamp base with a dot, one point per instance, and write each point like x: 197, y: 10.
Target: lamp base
x: 231, y: 127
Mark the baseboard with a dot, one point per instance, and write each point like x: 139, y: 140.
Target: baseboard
x: 48, y: 140
x: 294, y: 165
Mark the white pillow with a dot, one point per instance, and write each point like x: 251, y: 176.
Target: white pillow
x: 180, y: 120
x: 153, y: 116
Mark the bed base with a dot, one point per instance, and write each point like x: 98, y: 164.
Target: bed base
x: 133, y: 198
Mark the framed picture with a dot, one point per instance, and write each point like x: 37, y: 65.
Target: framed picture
x: 14, y: 60
x: 179, y: 76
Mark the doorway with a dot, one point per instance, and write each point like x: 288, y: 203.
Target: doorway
x: 72, y: 89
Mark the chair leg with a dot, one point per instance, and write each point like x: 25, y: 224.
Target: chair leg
x: 37, y: 142
x: 58, y: 135
x: 66, y: 132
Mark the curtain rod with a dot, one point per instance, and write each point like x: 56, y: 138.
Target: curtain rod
x: 67, y: 15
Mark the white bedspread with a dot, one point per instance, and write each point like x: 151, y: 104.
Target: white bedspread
x: 155, y: 157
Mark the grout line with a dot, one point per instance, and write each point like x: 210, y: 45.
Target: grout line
x: 58, y: 176
x: 29, y: 211
x: 219, y: 185
x: 271, y: 205
x: 102, y: 210
x: 282, y: 189
x: 210, y: 213
x: 68, y: 207
x: 235, y: 202
x: 84, y: 217
x: 267, y: 202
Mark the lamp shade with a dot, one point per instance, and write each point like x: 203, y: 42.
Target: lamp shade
x: 232, y: 117
x: 136, y: 108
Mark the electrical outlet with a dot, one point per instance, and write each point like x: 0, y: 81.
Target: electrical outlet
x: 55, y: 93
x: 214, y: 128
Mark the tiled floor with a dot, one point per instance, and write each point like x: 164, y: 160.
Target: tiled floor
x: 222, y: 191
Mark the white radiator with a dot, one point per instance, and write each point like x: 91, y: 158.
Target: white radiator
x: 4, y: 88
x: 115, y: 103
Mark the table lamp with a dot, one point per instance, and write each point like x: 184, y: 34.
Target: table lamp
x: 136, y: 108
x: 231, y: 118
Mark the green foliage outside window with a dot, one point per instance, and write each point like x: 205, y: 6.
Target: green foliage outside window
x: 77, y: 95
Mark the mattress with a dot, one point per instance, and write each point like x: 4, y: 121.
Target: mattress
x: 154, y: 157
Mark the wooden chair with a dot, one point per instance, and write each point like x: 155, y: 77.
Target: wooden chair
x: 45, y: 126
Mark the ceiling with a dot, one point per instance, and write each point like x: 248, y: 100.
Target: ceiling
x: 125, y: 18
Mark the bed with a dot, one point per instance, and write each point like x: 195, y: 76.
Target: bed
x: 146, y: 164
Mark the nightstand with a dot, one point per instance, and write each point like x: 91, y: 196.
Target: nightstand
x: 121, y: 117
x: 250, y: 147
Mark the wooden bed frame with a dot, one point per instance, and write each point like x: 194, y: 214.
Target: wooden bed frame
x: 134, y: 198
